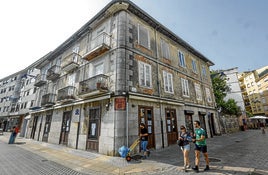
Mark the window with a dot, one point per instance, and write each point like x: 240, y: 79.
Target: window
x: 75, y: 55
x: 198, y: 91
x: 35, y: 89
x: 168, y: 82
x: 32, y: 103
x: 204, y: 71
x: 71, y: 79
x: 263, y: 100
x: 185, y: 87
x: 164, y: 49
x: 182, y: 59
x: 208, y: 95
x: 143, y: 36
x: 194, y: 67
x: 98, y: 68
x: 145, y: 75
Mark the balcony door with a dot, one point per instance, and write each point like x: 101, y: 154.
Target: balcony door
x: 65, y: 127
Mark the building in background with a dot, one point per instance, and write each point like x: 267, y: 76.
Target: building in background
x: 17, y: 96
x: 255, y: 84
x: 236, y: 92
x: 120, y: 69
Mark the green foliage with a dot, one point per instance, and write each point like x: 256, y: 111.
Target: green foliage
x: 230, y: 107
x: 221, y: 89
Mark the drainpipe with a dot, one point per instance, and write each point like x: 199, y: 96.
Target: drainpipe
x: 127, y: 121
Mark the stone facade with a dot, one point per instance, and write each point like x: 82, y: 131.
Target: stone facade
x: 121, y: 69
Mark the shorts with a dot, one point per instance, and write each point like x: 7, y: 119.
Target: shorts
x: 144, y: 145
x: 202, y: 148
x: 185, y: 147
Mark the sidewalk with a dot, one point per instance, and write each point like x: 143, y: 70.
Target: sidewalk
x: 164, y: 161
x: 84, y: 161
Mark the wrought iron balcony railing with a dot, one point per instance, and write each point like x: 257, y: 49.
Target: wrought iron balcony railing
x: 99, y: 45
x: 53, y: 72
x: 70, y: 62
x: 66, y: 94
x: 40, y: 80
x: 93, y: 85
x: 48, y: 100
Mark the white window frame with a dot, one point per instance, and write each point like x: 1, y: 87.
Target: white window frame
x: 71, y: 79
x: 145, y: 74
x: 198, y: 91
x: 98, y: 71
x: 208, y: 95
x: 194, y: 66
x: 181, y: 59
x: 168, y: 82
x: 204, y: 71
x: 145, y: 32
x: 76, y: 52
x: 165, y: 49
x: 185, y: 87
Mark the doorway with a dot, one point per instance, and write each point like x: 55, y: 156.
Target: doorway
x: 65, y: 127
x: 35, y: 119
x: 47, y: 128
x: 171, y: 123
x: 93, y: 129
x: 146, y: 116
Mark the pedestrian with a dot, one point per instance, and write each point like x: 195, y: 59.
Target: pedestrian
x: 14, y: 132
x: 185, y: 138
x: 144, y: 140
x: 200, y: 146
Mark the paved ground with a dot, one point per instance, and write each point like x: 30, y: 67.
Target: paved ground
x: 244, y: 153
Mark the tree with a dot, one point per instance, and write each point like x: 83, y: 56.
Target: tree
x: 221, y: 89
x: 230, y: 107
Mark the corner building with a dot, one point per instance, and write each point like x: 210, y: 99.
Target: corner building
x: 120, y: 69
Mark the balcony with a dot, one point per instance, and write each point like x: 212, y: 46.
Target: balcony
x: 92, y: 86
x: 70, y: 62
x: 99, y: 45
x: 48, y: 100
x: 66, y: 94
x: 53, y: 72
x: 40, y: 80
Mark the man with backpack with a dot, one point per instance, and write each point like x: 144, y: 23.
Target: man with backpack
x: 200, y: 146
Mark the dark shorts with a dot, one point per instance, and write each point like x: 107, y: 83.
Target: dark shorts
x: 203, y: 149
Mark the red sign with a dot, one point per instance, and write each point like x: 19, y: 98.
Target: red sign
x: 120, y: 103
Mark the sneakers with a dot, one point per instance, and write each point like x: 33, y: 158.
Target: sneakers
x: 207, y: 168
x: 196, y: 169
x: 188, y: 166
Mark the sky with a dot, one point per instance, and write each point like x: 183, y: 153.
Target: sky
x: 230, y: 33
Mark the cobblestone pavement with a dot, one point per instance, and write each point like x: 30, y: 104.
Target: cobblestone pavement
x: 238, y: 153
x: 241, y: 153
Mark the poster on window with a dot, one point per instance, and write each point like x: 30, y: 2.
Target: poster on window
x: 93, y: 129
x: 149, y: 130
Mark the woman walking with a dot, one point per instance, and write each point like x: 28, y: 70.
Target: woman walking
x: 185, y: 138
